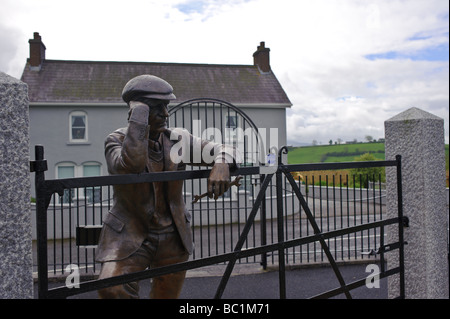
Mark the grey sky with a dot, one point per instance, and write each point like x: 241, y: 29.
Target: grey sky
x: 347, y: 66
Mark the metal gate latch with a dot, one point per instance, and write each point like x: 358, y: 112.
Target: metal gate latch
x: 383, y: 249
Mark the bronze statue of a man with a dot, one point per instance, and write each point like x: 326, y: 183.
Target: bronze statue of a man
x: 148, y: 225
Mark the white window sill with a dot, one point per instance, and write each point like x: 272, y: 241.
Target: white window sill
x: 78, y: 143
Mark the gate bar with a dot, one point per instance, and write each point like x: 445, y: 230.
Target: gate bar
x: 263, y: 227
x: 40, y: 166
x: 280, y: 229
x: 243, y: 237
x: 318, y: 232
x: 400, y: 226
x: 355, y: 284
x: 62, y: 292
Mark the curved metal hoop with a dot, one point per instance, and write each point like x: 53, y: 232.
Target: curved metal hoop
x: 211, y: 100
x: 216, y: 104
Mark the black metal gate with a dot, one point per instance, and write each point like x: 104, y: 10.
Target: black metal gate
x: 46, y: 188
x: 225, y: 123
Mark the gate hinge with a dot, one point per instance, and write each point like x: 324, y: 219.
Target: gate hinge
x: 405, y: 221
x: 38, y: 166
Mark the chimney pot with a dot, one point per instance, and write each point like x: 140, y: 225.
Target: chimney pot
x: 261, y: 58
x: 37, y: 51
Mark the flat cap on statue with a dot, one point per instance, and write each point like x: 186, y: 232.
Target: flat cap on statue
x: 148, y: 86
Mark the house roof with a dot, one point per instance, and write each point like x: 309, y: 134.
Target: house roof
x: 102, y: 82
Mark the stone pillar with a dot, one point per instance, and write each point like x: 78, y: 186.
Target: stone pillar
x: 418, y: 137
x: 16, y: 263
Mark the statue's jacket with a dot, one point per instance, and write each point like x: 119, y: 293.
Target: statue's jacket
x: 128, y: 222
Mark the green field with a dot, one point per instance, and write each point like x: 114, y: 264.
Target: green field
x: 334, y: 153
x: 342, y: 153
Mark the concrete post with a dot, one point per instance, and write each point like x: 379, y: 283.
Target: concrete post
x: 418, y: 137
x: 16, y: 263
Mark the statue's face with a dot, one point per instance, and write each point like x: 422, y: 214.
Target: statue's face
x: 157, y: 118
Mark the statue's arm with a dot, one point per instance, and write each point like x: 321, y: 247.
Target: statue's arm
x: 223, y: 159
x: 127, y: 152
x: 192, y: 150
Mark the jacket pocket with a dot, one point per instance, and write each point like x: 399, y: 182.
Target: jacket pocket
x: 114, y: 222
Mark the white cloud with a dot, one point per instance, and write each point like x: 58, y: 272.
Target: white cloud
x: 318, y: 49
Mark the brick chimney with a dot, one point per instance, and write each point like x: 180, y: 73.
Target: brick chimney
x: 261, y: 58
x: 37, y: 52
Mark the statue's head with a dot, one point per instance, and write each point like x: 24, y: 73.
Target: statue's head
x: 147, y: 86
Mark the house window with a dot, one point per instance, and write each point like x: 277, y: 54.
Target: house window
x: 92, y: 193
x: 78, y: 126
x: 70, y: 170
x: 66, y: 170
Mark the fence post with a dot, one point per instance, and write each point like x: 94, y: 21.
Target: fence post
x: 39, y: 166
x: 16, y: 265
x: 418, y: 137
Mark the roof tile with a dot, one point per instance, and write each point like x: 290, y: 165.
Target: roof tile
x: 102, y: 82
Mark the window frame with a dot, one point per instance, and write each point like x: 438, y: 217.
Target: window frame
x: 78, y: 140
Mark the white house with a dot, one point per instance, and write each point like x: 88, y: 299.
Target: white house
x: 74, y: 105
